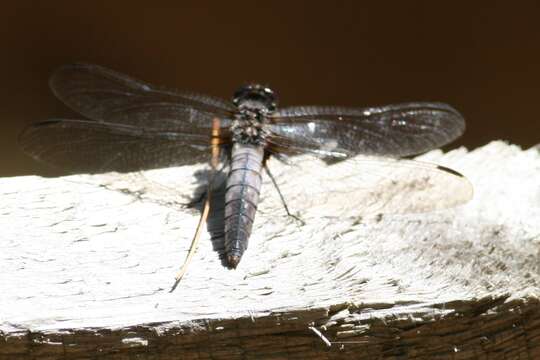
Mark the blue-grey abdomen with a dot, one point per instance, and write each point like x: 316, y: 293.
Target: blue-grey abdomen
x: 241, y: 198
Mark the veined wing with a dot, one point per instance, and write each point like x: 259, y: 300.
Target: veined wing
x: 85, y: 146
x: 133, y: 125
x: 367, y: 186
x: 105, y: 95
x: 393, y: 130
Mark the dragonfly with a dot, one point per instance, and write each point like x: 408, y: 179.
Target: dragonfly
x: 130, y: 126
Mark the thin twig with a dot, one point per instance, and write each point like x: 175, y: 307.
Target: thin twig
x: 206, y: 209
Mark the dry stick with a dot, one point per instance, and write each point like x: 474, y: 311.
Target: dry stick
x: 206, y: 209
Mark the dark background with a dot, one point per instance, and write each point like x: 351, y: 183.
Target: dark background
x: 481, y: 57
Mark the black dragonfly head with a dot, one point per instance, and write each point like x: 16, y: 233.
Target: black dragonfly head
x: 255, y: 97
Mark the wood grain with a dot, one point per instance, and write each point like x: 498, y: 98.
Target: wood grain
x: 86, y: 271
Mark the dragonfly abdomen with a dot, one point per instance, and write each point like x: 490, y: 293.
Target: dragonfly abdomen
x: 241, y: 198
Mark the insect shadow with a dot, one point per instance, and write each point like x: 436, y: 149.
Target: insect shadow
x: 215, y: 223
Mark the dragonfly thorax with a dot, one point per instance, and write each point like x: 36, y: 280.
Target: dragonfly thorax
x: 254, y: 103
x: 248, y: 128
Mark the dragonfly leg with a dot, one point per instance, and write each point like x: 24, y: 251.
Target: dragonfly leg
x: 281, y: 196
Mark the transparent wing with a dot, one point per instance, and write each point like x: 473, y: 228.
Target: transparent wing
x: 133, y: 126
x: 393, y: 130
x: 85, y: 146
x: 177, y: 188
x: 105, y: 95
x: 366, y: 186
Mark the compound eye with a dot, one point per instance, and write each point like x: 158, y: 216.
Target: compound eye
x: 255, y: 96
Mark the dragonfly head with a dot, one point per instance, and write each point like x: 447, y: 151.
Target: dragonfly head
x: 255, y: 97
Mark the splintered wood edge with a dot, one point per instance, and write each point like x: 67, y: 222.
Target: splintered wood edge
x: 490, y: 327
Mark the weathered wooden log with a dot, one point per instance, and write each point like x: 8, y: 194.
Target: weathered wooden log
x: 85, y: 272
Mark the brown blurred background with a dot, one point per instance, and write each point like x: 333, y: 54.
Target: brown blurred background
x: 483, y: 58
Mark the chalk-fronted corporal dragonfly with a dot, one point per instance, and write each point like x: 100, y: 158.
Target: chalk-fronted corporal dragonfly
x: 133, y: 126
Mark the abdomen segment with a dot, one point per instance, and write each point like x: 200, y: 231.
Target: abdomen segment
x: 241, y: 199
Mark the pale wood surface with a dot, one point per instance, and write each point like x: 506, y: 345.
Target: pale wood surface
x: 85, y: 272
